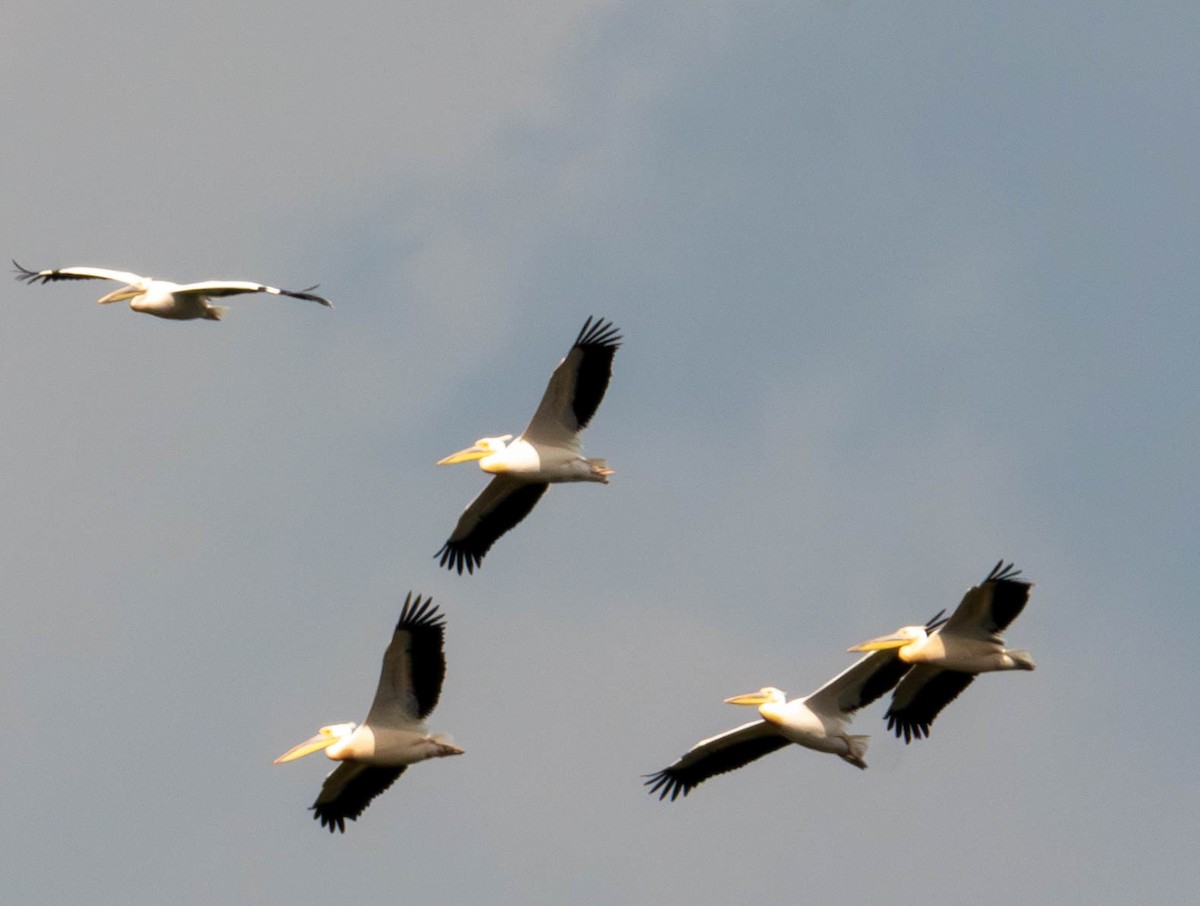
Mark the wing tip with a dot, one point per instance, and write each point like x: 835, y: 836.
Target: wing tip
x: 308, y: 295
x: 599, y: 333
x: 25, y: 275
x: 1006, y: 572
x: 906, y: 728
x: 456, y: 558
x: 329, y: 819
x: 420, y: 613
x: 667, y: 784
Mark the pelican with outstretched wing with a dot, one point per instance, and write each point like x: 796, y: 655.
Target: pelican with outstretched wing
x: 393, y: 736
x: 819, y: 721
x: 162, y: 298
x: 547, y: 452
x: 946, y: 659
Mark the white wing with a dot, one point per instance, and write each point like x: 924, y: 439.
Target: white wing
x: 80, y: 273
x: 716, y: 755
x: 217, y: 288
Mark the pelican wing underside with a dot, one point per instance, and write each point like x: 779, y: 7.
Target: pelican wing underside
x: 348, y: 790
x: 78, y: 273
x: 502, y: 504
x: 858, y: 685
x: 576, y: 387
x: 989, y: 607
x: 920, y: 697
x: 414, y: 666
x: 717, y: 755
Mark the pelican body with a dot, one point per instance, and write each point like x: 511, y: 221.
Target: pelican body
x: 798, y: 722
x: 393, y: 736
x: 820, y: 721
x: 162, y: 298
x: 547, y: 451
x: 946, y: 659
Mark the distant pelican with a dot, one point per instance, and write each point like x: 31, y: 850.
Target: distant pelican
x: 819, y: 721
x: 949, y: 658
x: 393, y: 736
x: 161, y: 298
x: 547, y: 451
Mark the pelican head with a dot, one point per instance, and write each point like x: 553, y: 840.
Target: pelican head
x: 902, y: 637
x: 764, y: 696
x: 485, y: 446
x: 325, y: 738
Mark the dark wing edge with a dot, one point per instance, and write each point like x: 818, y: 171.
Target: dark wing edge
x: 1009, y: 595
x: 879, y: 683
x: 468, y: 550
x: 597, y: 343
x: 308, y: 295
x: 921, y: 697
x: 357, y: 784
x: 687, y: 773
x: 426, y: 629
x: 33, y: 277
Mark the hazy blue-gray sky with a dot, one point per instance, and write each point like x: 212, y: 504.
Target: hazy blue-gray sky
x: 905, y: 290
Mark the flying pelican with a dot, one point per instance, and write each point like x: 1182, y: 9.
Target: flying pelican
x: 547, y: 451
x: 393, y: 736
x: 947, y: 659
x: 819, y: 721
x: 161, y: 298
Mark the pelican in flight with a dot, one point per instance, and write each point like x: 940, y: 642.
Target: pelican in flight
x: 547, y: 451
x: 393, y: 736
x: 819, y: 721
x: 946, y: 658
x: 162, y: 298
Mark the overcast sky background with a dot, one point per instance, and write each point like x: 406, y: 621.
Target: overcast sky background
x: 905, y: 290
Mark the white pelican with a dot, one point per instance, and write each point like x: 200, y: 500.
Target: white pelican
x: 393, y: 736
x: 947, y: 659
x: 819, y: 721
x: 547, y: 451
x: 161, y: 298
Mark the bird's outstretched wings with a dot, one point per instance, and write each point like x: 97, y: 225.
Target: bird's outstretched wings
x: 414, y: 666
x: 576, y: 387
x: 920, y: 697
x: 500, y: 506
x: 716, y: 755
x: 348, y: 790
x: 988, y: 608
x: 77, y: 273
x: 211, y: 289
x: 207, y: 289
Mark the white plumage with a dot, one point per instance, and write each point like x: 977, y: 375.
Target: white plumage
x: 947, y: 658
x: 162, y: 298
x: 547, y: 452
x: 393, y: 736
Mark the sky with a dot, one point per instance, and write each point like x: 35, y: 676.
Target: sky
x: 905, y: 290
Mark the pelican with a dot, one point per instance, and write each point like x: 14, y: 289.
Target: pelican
x: 946, y: 659
x: 547, y: 451
x: 161, y: 298
x: 819, y: 721
x: 393, y: 736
